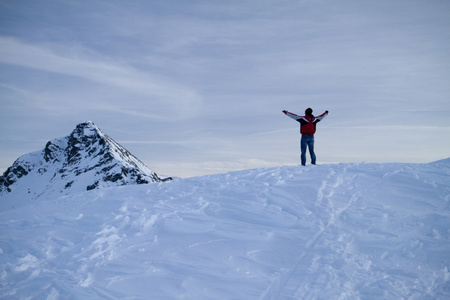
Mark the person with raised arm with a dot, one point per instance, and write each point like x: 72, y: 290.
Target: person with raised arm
x: 307, y: 129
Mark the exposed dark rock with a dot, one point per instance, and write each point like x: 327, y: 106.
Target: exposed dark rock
x: 11, y: 175
x: 92, y: 186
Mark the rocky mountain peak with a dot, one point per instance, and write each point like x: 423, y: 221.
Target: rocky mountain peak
x: 84, y: 160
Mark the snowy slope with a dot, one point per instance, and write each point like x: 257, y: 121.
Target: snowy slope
x: 84, y: 160
x: 347, y: 231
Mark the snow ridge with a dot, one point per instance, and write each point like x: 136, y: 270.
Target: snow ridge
x: 347, y: 231
x: 84, y: 160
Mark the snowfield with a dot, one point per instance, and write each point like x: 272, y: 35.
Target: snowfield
x: 346, y: 231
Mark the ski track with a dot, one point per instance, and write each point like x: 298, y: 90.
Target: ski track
x: 329, y: 186
x: 295, y: 283
x: 315, y: 232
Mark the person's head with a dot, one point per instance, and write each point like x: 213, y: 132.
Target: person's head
x: 308, y: 111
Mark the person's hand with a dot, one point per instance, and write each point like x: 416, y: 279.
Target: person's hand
x: 326, y: 111
x: 285, y: 111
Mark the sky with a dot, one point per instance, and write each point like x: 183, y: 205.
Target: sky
x: 197, y: 87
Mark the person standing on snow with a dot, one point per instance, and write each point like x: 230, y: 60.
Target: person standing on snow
x: 307, y: 129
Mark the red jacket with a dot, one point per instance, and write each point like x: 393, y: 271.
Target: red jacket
x: 308, y: 123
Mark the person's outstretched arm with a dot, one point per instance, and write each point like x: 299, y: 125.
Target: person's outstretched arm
x: 318, y: 118
x: 291, y: 115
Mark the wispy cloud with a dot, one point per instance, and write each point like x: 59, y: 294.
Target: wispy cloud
x: 101, y: 70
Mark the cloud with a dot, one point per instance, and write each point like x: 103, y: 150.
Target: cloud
x: 100, y: 70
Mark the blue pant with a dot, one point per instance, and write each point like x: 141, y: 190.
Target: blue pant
x: 307, y: 141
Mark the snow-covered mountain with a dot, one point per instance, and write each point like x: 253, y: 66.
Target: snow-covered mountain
x: 346, y: 231
x: 84, y: 160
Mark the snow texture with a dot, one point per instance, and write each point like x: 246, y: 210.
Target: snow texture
x: 346, y: 231
x: 86, y: 159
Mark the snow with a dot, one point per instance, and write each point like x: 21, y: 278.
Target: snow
x: 345, y: 231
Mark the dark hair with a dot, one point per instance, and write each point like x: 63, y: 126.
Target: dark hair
x: 308, y: 111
